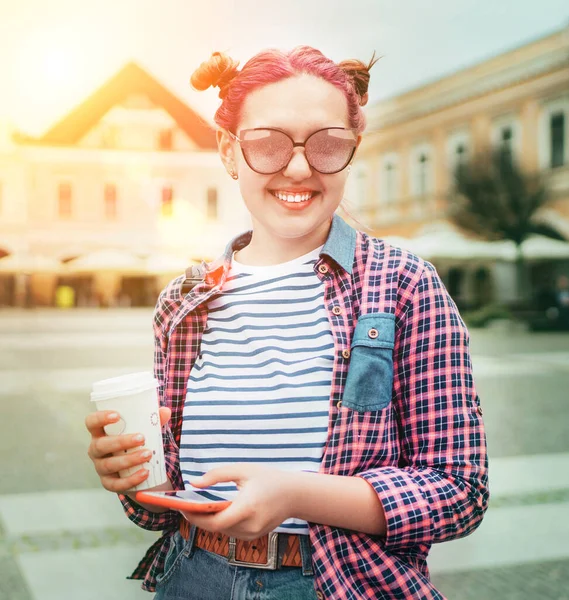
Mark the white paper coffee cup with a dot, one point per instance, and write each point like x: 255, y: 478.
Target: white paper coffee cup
x: 135, y: 399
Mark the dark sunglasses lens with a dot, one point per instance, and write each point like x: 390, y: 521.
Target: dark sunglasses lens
x: 266, y: 151
x: 330, y: 150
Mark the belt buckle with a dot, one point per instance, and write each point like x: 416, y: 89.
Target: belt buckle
x: 272, y: 554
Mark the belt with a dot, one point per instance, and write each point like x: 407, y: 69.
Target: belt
x: 267, y: 552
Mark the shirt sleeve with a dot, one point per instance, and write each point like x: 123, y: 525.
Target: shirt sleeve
x: 136, y: 513
x: 439, y: 492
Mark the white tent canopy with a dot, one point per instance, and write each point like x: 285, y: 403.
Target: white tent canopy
x: 29, y: 263
x: 452, y: 245
x: 107, y: 260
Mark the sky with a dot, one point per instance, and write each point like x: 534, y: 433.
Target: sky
x: 54, y: 54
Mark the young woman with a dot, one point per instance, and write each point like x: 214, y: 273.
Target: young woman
x: 322, y: 373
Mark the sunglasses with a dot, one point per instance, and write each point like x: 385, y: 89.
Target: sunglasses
x: 268, y: 151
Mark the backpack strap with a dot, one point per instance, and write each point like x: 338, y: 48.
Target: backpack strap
x: 194, y: 275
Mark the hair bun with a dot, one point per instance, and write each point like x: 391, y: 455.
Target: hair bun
x: 218, y: 71
x: 358, y: 72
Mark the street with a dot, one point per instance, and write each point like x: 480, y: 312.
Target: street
x: 63, y: 537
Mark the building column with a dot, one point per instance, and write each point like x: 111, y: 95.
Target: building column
x: 529, y: 118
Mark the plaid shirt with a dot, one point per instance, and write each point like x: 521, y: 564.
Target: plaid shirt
x: 404, y: 413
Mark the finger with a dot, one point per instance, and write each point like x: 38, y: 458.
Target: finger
x: 219, y: 475
x: 97, y: 420
x: 109, y: 444
x: 113, y: 464
x: 165, y: 415
x: 227, y: 519
x: 120, y: 485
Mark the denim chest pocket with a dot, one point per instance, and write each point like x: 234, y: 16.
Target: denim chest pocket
x: 370, y: 376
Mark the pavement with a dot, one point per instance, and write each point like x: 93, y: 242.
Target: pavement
x: 63, y: 537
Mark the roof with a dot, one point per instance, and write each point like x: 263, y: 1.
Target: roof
x: 131, y: 79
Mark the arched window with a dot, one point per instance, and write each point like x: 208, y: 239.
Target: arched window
x: 507, y: 138
x: 110, y: 201
x: 553, y: 134
x: 421, y: 170
x: 389, y: 179
x: 64, y: 200
x: 557, y: 139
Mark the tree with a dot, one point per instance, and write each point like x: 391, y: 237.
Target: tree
x: 494, y: 198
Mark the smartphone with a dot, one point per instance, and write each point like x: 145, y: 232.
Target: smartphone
x: 187, y: 500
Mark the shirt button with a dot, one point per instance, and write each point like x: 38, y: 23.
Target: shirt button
x: 323, y: 269
x: 345, y: 353
x: 319, y: 595
x: 373, y: 333
x: 339, y: 404
x: 337, y: 310
x: 480, y: 411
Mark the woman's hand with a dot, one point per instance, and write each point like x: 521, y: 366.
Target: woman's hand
x: 264, y: 501
x: 103, y: 446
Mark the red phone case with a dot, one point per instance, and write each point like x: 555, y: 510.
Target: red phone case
x: 180, y: 503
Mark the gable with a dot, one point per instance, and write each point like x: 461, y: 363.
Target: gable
x: 136, y: 95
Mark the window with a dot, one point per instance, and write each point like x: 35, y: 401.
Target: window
x: 64, y: 207
x: 389, y: 189
x: 421, y: 170
x: 423, y: 173
x: 389, y: 182
x: 109, y: 136
x: 557, y: 137
x: 167, y: 204
x: 110, y: 201
x: 165, y: 138
x: 211, y: 203
x: 458, y: 154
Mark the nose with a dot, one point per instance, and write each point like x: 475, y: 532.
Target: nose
x: 298, y: 168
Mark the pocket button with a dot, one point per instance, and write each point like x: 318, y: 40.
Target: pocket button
x: 345, y: 353
x: 373, y: 333
x: 337, y: 310
x: 323, y: 269
x: 339, y: 404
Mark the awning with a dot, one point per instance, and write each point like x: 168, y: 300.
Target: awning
x: 29, y: 263
x: 107, y: 261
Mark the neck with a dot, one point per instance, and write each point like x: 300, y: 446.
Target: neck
x: 266, y: 249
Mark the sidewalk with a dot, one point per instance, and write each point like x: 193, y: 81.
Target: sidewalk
x: 61, y: 542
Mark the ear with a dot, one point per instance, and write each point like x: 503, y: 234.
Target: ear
x: 225, y: 148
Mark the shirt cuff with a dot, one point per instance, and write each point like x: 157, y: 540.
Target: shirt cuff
x: 407, y: 510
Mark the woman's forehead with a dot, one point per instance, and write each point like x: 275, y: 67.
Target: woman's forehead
x: 298, y: 103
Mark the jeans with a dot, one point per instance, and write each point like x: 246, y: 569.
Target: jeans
x: 191, y: 573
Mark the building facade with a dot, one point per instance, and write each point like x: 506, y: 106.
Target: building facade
x: 129, y: 176
x: 518, y: 101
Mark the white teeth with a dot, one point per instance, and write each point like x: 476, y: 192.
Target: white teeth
x: 293, y: 197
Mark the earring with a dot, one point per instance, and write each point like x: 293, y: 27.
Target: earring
x: 233, y: 174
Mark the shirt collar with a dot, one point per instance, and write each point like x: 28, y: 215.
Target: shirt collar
x: 340, y: 247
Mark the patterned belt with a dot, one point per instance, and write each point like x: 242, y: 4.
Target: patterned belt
x: 263, y: 553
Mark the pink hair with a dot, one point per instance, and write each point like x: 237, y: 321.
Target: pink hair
x: 271, y: 66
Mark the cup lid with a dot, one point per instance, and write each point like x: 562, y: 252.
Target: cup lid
x: 124, y: 385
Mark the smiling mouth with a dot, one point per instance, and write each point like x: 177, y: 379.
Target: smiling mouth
x: 293, y: 198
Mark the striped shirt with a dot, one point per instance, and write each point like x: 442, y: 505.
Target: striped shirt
x: 259, y: 391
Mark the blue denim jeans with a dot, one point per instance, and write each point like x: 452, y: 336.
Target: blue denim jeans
x: 191, y: 573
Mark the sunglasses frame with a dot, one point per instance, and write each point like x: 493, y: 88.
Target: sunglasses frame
x: 295, y: 145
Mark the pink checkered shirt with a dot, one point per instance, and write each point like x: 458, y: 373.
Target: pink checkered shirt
x: 409, y: 421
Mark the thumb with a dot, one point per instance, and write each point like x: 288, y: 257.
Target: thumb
x: 165, y: 414
x: 219, y: 475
